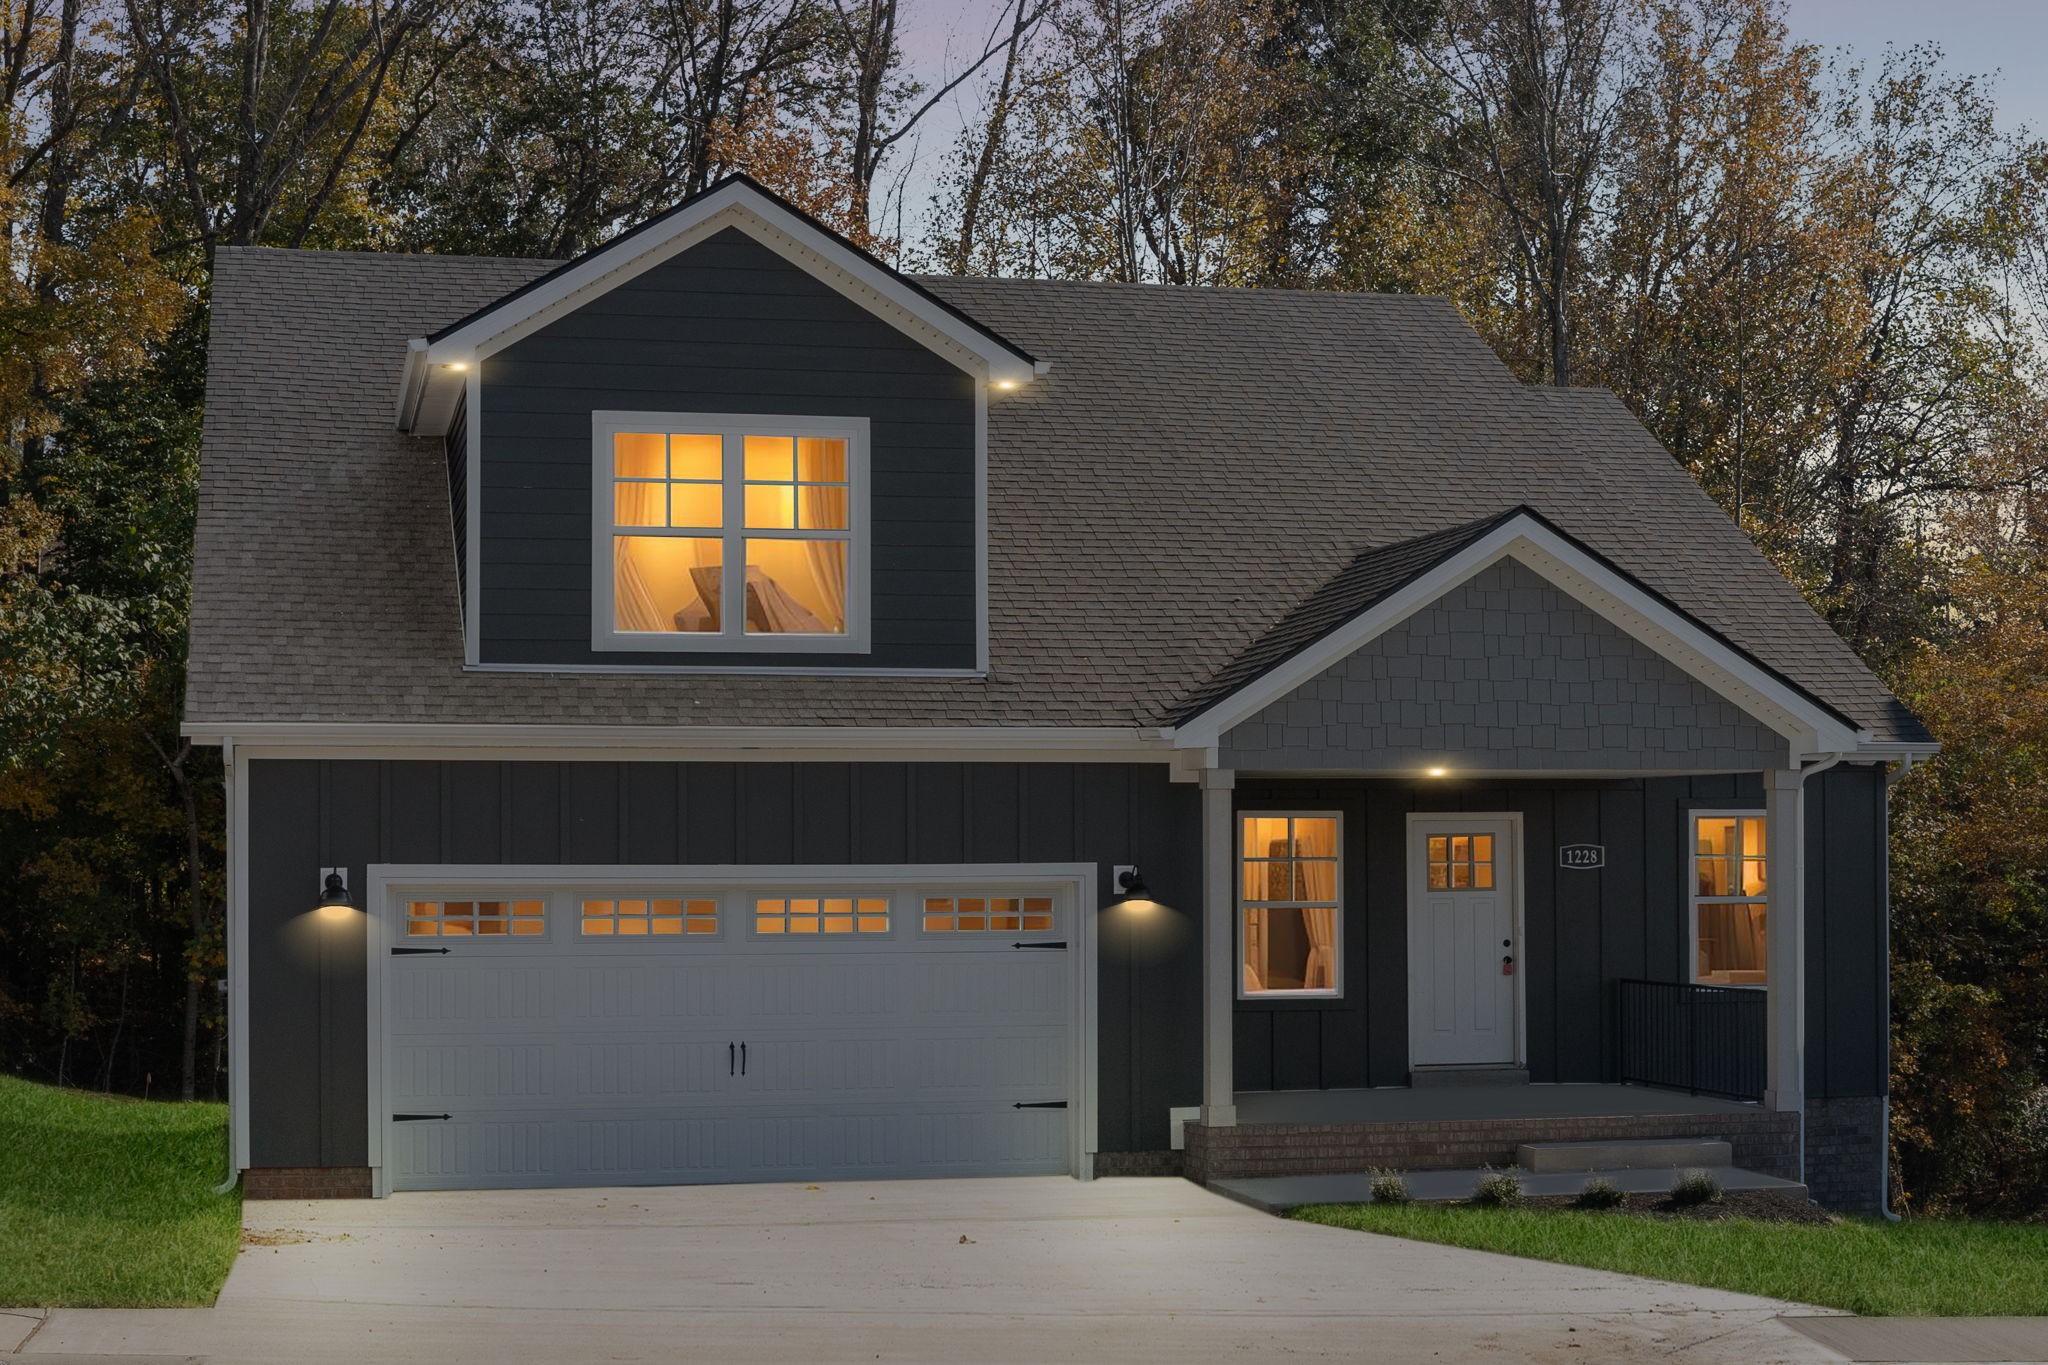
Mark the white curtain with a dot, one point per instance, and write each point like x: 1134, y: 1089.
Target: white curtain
x: 634, y: 605
x: 1321, y: 921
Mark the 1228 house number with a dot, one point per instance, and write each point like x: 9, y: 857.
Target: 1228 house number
x: 1582, y: 855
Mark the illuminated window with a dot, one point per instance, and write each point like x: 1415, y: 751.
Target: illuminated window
x: 1461, y: 862
x: 821, y: 915
x: 684, y: 502
x: 988, y: 914
x: 1728, y: 880
x: 626, y: 918
x: 1289, y: 907
x: 466, y: 919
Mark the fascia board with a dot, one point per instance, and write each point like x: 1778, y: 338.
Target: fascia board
x: 1805, y: 725
x: 802, y: 244
x: 940, y: 742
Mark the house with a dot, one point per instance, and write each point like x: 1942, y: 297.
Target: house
x: 720, y: 709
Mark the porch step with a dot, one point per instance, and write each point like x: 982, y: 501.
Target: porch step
x: 1277, y: 1194
x: 1428, y: 1077
x: 1634, y: 1154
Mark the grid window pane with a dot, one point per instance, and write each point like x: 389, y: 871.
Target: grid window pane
x: 771, y: 458
x: 988, y: 914
x: 821, y: 459
x: 796, y: 587
x: 696, y: 504
x: 636, y: 918
x: 696, y: 457
x: 771, y: 507
x: 1460, y: 862
x: 821, y: 915
x: 639, y: 455
x: 1731, y: 944
x: 638, y: 504
x: 462, y: 919
x: 666, y: 583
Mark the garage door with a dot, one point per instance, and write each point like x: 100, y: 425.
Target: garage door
x: 679, y: 1033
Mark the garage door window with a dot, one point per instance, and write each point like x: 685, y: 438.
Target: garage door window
x: 462, y: 919
x: 626, y: 918
x: 821, y: 915
x: 987, y: 914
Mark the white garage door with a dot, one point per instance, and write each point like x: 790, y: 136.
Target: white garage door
x: 659, y: 1034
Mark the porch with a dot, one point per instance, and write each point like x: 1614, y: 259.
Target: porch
x: 1323, y: 1132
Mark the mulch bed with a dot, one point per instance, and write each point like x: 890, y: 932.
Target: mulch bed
x: 1763, y: 1206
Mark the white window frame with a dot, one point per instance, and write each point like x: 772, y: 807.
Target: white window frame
x: 1694, y: 900
x: 731, y: 428
x: 1334, y: 992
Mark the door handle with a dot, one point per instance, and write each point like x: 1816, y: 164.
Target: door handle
x: 729, y: 1060
x: 743, y: 1059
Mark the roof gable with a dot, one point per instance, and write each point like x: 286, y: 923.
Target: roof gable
x: 436, y: 363
x: 1382, y: 587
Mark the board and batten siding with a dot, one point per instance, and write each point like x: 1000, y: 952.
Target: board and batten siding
x: 308, y: 1068
x: 727, y: 326
x: 1583, y: 930
x: 1504, y: 671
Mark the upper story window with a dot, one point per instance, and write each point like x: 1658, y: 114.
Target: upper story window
x: 1728, y: 898
x: 684, y: 499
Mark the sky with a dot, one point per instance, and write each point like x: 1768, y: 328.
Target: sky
x: 1981, y: 37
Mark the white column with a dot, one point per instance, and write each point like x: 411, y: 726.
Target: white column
x: 1219, y: 949
x: 1785, y: 939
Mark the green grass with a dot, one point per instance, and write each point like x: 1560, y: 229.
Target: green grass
x: 1921, y: 1267
x: 109, y: 1203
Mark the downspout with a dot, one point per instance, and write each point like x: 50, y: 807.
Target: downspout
x: 1884, y: 1205
x: 227, y: 756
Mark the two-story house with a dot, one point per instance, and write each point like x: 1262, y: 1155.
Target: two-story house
x: 720, y: 709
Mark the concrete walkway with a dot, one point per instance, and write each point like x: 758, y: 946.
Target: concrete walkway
x: 985, y: 1270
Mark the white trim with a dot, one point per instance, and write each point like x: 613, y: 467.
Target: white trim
x: 782, y: 743
x: 733, y: 205
x: 981, y: 645
x: 732, y: 428
x: 1416, y: 881
x: 1689, y: 885
x: 760, y: 670
x: 473, y: 514
x: 385, y: 881
x: 1237, y: 862
x: 236, y: 767
x: 1806, y: 726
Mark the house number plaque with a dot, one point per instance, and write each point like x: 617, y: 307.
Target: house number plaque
x: 1583, y: 856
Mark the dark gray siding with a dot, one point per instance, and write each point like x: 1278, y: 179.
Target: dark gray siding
x: 308, y: 1065
x: 727, y: 326
x: 1583, y: 930
x: 1506, y: 671
x: 455, y: 446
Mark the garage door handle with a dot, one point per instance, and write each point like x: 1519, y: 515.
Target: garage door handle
x: 1039, y: 1104
x: 743, y: 1059
x: 416, y: 1118
x: 730, y: 1069
x: 1060, y: 946
x: 414, y: 952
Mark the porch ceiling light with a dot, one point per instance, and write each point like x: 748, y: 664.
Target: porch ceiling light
x: 1438, y: 772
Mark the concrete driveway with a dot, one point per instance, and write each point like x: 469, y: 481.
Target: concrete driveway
x: 984, y: 1270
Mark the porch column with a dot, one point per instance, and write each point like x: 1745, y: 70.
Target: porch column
x: 1219, y: 949
x: 1785, y: 939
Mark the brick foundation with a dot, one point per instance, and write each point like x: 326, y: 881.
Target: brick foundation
x: 1763, y: 1140
x: 306, y: 1182
x: 1845, y: 1153
x: 1139, y: 1163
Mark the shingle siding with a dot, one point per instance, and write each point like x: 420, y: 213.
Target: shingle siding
x: 1505, y: 671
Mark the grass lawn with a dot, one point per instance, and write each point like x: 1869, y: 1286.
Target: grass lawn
x: 1923, y: 1267
x: 109, y: 1203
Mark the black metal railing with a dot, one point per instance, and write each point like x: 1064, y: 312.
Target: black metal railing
x: 1708, y: 1040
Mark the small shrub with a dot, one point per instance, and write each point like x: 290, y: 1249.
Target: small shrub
x: 1601, y: 1193
x: 1389, y: 1188
x: 1695, y: 1187
x: 1498, y: 1189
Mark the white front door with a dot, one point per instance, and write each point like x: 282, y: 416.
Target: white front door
x: 1463, y: 959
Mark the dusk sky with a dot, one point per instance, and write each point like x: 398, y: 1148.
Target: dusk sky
x: 2008, y: 38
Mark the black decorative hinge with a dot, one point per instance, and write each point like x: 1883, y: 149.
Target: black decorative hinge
x: 1061, y: 946
x: 1039, y: 1104
x: 417, y: 1118
x: 414, y: 952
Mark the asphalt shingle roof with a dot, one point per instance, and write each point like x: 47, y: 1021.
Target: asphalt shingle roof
x: 1196, y: 465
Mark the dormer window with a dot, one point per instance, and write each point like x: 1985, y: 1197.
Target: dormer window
x: 683, y: 499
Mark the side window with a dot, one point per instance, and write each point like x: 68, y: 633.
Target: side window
x: 626, y: 918
x: 988, y: 914
x: 821, y: 915
x: 466, y: 919
x: 1289, y: 906
x: 1729, y: 876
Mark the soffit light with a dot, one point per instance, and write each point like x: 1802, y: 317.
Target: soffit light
x: 1438, y: 772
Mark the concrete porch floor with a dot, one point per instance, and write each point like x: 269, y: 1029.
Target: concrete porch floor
x: 1449, y: 1104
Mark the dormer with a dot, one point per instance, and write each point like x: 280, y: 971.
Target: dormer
x: 728, y: 440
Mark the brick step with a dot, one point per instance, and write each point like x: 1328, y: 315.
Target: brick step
x: 1276, y: 1194
x: 1625, y: 1154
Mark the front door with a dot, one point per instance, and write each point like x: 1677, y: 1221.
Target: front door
x: 1463, y: 959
